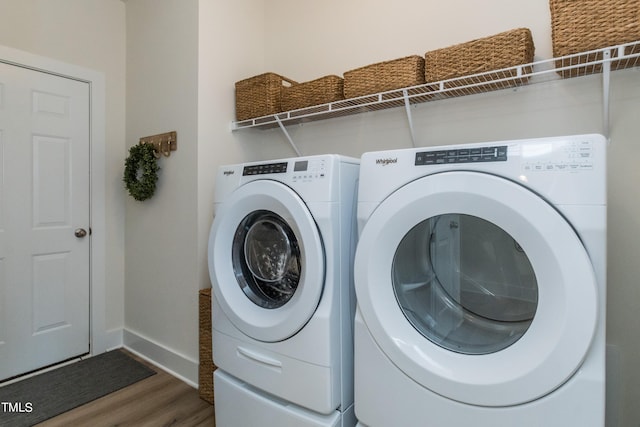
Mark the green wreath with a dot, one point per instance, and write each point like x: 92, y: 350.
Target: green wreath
x: 141, y: 171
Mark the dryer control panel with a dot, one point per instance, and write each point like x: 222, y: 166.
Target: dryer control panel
x: 462, y: 155
x: 564, y: 156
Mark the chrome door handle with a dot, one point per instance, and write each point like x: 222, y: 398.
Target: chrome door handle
x: 80, y: 232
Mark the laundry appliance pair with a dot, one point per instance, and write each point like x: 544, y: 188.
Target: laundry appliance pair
x: 479, y: 275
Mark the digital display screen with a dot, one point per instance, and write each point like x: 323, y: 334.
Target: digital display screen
x: 301, y: 166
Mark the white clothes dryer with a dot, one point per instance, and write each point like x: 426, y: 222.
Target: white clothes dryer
x: 281, y: 251
x: 480, y: 279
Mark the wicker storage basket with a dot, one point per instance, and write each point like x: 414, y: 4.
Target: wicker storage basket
x: 503, y: 50
x: 384, y: 76
x: 260, y: 95
x: 319, y: 91
x: 583, y: 25
x: 206, y: 367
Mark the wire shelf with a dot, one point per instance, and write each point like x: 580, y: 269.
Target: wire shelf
x: 577, y: 65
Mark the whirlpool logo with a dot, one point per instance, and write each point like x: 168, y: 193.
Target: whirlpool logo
x: 228, y: 173
x: 387, y: 161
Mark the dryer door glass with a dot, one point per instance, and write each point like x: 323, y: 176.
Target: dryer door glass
x: 266, y: 259
x: 465, y: 284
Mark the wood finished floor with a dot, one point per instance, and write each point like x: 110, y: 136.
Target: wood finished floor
x: 156, y: 401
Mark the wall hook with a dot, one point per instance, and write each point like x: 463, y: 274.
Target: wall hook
x: 163, y: 144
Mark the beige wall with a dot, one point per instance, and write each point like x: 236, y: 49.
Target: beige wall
x: 90, y: 34
x: 230, y: 35
x: 310, y: 40
x: 181, y: 57
x: 161, y: 286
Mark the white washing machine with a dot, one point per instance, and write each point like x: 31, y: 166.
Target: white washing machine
x: 480, y: 278
x: 280, y: 259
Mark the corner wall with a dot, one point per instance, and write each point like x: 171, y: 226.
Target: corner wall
x: 183, y: 58
x: 161, y: 280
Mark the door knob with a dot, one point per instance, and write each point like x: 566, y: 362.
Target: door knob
x: 80, y: 232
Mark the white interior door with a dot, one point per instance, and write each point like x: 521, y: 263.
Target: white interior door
x: 44, y: 210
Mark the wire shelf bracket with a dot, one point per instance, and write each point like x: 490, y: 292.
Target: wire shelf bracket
x: 407, y: 107
x: 286, y: 134
x: 606, y: 91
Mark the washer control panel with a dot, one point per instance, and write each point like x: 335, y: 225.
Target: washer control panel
x: 300, y: 170
x: 267, y: 168
x: 309, y: 170
x: 462, y: 155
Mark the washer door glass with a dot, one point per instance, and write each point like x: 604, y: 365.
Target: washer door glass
x: 465, y: 284
x: 266, y: 259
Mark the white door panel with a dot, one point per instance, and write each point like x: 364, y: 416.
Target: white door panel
x: 44, y: 197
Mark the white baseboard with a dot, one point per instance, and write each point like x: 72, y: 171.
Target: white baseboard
x: 179, y: 366
x: 110, y: 341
